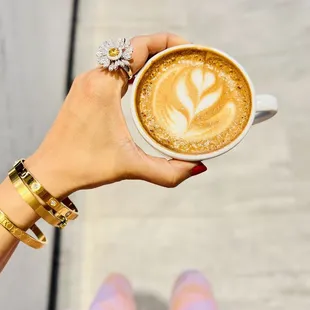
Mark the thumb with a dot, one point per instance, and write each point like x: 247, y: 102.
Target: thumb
x: 168, y: 173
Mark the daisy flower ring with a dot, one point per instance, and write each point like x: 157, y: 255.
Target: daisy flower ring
x: 113, y: 55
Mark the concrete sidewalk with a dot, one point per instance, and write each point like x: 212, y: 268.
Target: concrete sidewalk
x: 244, y: 223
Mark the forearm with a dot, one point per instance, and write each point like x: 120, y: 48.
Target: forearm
x: 19, y: 212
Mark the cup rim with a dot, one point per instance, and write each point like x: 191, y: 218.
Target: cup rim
x: 181, y: 156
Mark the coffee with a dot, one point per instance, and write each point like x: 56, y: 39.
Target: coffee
x: 193, y: 101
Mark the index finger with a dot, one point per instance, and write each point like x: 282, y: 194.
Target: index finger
x: 148, y: 45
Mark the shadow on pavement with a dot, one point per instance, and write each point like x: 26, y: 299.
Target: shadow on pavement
x: 149, y: 301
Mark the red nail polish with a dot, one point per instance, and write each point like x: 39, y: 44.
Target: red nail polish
x: 130, y: 82
x: 199, y: 169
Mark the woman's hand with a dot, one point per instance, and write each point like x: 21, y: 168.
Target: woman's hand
x: 89, y: 144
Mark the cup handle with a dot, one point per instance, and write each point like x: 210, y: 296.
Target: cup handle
x: 266, y: 107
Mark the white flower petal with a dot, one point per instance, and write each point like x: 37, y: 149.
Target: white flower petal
x: 112, y: 66
x: 118, y: 63
x: 129, y: 49
x: 126, y: 62
x: 121, y: 43
x: 99, y: 54
x: 105, y: 62
x: 103, y: 50
x: 126, y: 43
x: 108, y: 44
x: 127, y: 55
x: 121, y: 64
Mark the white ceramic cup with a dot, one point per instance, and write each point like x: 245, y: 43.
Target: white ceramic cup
x: 263, y: 108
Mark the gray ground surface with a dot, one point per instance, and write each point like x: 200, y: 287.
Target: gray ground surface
x: 245, y: 223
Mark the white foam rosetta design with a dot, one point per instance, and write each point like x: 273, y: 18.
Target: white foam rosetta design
x: 196, y: 90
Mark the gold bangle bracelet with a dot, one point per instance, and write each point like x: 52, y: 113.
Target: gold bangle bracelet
x: 65, y: 208
x: 22, y: 235
x: 32, y: 201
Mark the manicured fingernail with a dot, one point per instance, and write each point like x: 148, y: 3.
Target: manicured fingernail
x: 200, y: 168
x: 130, y: 82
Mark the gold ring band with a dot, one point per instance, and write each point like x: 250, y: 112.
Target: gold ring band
x: 128, y: 71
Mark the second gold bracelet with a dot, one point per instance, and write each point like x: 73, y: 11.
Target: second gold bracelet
x: 32, y: 201
x: 64, y: 208
x: 21, y: 235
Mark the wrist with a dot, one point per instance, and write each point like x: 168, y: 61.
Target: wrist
x: 50, y: 172
x: 12, y: 204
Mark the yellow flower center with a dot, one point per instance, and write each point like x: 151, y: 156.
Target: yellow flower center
x: 113, y: 52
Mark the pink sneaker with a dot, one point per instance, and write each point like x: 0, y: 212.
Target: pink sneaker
x: 192, y: 291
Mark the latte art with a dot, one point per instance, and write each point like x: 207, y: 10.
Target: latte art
x: 193, y: 101
x: 194, y: 91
